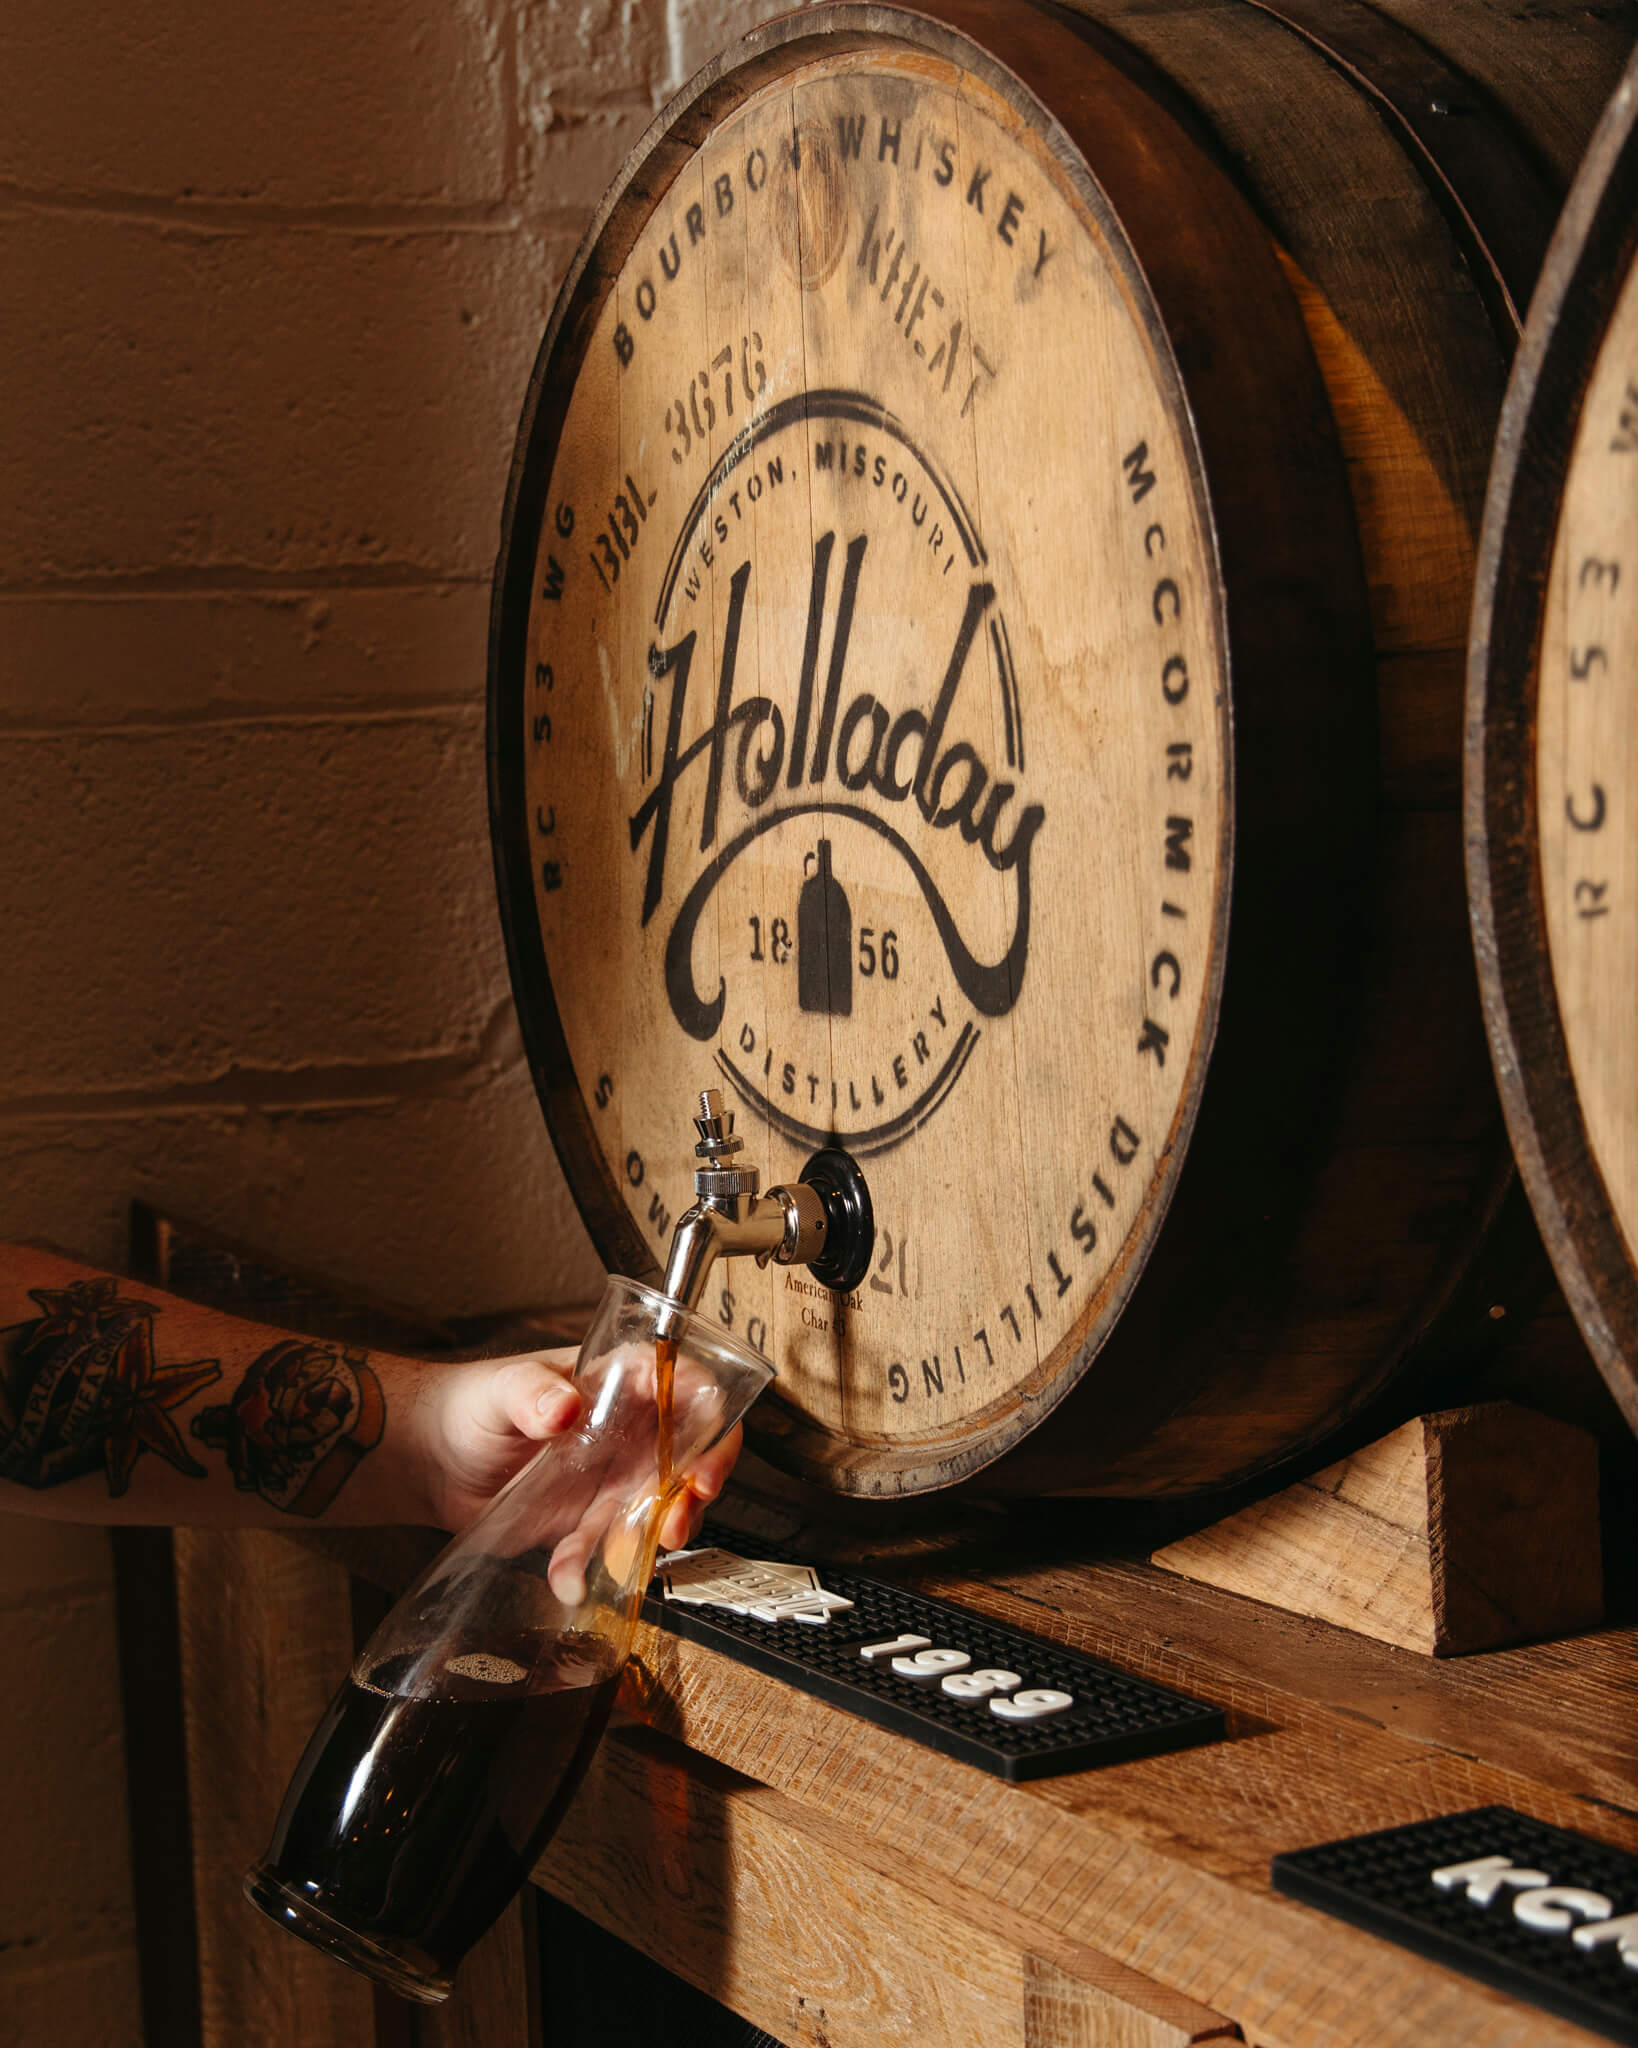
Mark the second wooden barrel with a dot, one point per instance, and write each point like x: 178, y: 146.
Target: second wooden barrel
x: 976, y: 674
x: 1553, y: 752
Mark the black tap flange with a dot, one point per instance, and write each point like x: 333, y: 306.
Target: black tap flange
x: 850, y: 1221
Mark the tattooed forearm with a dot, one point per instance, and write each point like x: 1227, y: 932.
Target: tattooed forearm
x: 96, y: 1373
x: 80, y: 1388
x: 294, y: 1431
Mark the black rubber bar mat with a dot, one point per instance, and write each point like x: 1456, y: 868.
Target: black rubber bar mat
x: 1537, y: 1911
x: 1112, y: 1717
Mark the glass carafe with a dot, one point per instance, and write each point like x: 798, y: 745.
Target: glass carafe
x: 445, y: 1762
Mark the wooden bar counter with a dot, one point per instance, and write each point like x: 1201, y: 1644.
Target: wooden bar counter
x: 839, y: 1884
x: 836, y: 1883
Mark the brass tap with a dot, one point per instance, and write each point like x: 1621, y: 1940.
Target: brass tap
x: 823, y: 1221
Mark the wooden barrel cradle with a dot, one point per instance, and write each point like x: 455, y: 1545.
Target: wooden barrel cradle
x: 975, y: 673
x: 1552, y: 752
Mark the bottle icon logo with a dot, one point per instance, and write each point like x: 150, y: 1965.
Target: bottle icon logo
x: 824, y: 940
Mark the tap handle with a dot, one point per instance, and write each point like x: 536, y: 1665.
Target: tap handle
x: 716, y: 1129
x: 850, y: 1220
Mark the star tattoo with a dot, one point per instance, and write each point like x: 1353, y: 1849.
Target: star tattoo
x: 81, y: 1385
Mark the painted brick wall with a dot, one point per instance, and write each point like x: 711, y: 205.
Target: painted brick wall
x: 274, y: 281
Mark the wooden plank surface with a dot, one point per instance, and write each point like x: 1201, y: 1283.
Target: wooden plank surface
x: 1564, y: 1715
x: 1162, y: 1865
x: 1459, y: 1531
x: 1159, y: 1868
x: 266, y: 1632
x: 820, y: 1933
x: 157, y: 1783
x: 496, y: 2002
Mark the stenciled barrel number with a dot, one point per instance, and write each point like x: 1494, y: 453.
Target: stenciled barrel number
x: 611, y: 543
x: 1596, y: 577
x: 692, y: 415
x: 1587, y: 810
x: 918, y: 1660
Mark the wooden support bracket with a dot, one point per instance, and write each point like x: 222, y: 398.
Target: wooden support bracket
x: 1466, y: 1530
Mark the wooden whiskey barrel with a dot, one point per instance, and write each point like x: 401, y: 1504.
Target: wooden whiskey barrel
x: 975, y: 673
x: 1552, y: 751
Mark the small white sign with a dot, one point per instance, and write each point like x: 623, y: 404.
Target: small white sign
x: 757, y: 1587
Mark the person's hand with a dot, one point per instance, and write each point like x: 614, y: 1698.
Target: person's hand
x: 481, y: 1422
